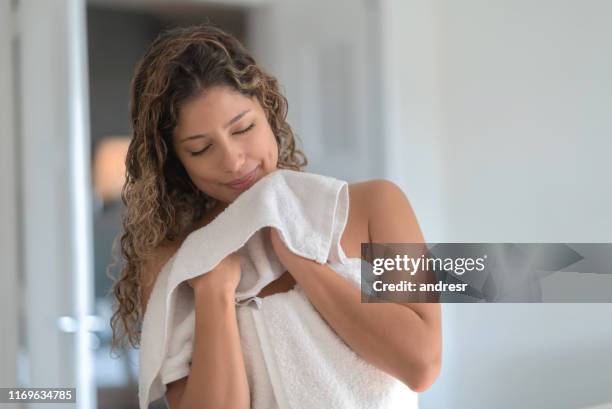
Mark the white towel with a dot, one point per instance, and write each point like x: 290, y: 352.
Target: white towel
x: 310, y: 211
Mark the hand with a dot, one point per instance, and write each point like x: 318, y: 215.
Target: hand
x: 286, y: 256
x: 223, y: 278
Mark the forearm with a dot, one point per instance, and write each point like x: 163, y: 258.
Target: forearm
x: 218, y: 376
x: 390, y: 336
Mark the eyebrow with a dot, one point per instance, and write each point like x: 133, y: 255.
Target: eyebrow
x: 227, y: 125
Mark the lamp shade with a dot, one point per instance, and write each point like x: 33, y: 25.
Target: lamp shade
x: 109, y: 167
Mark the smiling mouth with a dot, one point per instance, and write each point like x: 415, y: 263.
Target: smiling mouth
x: 246, y: 181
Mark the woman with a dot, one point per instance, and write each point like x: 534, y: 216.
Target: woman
x: 208, y: 123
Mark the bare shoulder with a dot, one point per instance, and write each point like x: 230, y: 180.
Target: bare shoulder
x: 358, y: 195
x: 374, y: 189
x: 373, y: 196
x: 153, y: 266
x: 163, y: 253
x: 390, y: 216
x: 151, y: 270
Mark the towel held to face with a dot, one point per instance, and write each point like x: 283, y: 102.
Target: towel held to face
x: 304, y: 361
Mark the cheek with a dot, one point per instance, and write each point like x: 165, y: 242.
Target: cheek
x: 195, y: 169
x: 272, y: 146
x: 191, y: 172
x: 272, y: 152
x: 263, y: 145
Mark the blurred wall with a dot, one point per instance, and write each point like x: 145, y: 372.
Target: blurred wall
x: 526, y: 92
x: 110, y: 72
x: 330, y: 76
x: 510, y: 101
x: 9, y: 277
x: 111, y: 66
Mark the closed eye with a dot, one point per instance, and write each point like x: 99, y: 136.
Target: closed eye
x: 237, y: 132
x: 247, y: 129
x: 199, y: 152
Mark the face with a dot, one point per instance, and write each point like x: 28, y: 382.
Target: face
x: 222, y: 138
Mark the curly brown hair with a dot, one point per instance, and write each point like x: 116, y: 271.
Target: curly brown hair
x: 161, y: 200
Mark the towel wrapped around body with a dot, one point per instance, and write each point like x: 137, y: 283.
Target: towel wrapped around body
x: 293, y: 358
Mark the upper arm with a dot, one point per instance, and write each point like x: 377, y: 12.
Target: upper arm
x: 391, y: 219
x: 151, y: 269
x: 390, y: 216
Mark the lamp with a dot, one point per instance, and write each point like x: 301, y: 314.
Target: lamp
x: 109, y: 167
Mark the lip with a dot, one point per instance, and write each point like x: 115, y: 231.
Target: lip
x: 244, y: 182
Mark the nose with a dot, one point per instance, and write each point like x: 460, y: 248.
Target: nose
x: 233, y: 157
